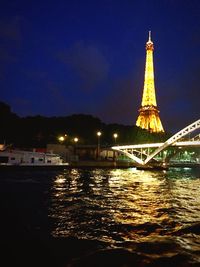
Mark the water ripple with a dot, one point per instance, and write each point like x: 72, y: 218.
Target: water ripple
x: 120, y: 206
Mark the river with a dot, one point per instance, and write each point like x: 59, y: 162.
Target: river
x: 101, y: 217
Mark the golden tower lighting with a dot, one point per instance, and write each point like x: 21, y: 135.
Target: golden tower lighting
x: 148, y: 113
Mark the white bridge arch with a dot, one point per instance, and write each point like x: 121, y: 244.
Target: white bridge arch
x: 160, y: 146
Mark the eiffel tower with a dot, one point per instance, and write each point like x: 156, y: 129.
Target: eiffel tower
x: 148, y: 113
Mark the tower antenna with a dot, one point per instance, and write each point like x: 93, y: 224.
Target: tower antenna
x: 149, y: 36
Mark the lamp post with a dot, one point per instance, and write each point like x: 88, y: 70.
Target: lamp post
x: 76, y: 139
x: 98, y: 143
x: 115, y: 136
x: 75, y: 142
x: 62, y: 142
x: 61, y: 139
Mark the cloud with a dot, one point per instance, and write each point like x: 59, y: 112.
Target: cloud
x: 88, y: 63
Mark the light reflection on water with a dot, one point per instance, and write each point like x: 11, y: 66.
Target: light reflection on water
x: 126, y: 204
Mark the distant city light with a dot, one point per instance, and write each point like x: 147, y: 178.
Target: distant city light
x: 99, y: 133
x: 115, y: 135
x: 61, y: 138
x: 76, y: 139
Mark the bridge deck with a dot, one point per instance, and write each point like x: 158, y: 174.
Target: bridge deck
x: 155, y: 145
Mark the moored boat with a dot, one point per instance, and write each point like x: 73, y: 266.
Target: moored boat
x: 11, y: 158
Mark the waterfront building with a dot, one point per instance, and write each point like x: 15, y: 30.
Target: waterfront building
x: 148, y: 113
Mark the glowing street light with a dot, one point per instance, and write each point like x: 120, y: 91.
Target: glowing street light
x: 75, y: 142
x: 76, y: 139
x: 98, y: 144
x: 61, y: 139
x: 115, y: 135
x: 98, y: 134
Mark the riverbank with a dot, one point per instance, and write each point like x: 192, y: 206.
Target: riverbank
x: 100, y: 164
x: 129, y: 164
x: 114, y: 164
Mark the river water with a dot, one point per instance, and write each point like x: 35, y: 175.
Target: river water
x: 101, y: 217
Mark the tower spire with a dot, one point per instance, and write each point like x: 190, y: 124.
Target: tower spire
x: 148, y: 113
x: 149, y: 36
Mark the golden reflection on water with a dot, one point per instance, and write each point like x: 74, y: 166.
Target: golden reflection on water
x: 60, y: 179
x: 94, y: 203
x: 141, y: 196
x: 186, y: 199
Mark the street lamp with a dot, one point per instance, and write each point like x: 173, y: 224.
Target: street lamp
x: 98, y: 144
x: 61, y: 139
x: 75, y: 141
x: 115, y: 135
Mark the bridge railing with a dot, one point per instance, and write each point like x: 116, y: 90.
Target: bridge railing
x: 189, y: 129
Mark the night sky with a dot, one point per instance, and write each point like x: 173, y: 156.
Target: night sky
x: 59, y: 58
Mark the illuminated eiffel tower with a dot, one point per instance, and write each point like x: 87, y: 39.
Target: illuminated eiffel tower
x: 148, y: 113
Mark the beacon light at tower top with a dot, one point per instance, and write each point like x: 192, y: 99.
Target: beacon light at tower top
x: 148, y: 113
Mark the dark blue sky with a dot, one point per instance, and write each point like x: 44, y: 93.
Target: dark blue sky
x: 63, y: 57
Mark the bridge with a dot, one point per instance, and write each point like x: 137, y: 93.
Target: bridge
x: 144, y: 154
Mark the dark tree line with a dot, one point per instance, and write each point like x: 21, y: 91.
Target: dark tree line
x: 37, y: 131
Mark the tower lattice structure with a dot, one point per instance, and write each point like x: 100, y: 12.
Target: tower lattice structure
x: 148, y: 113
